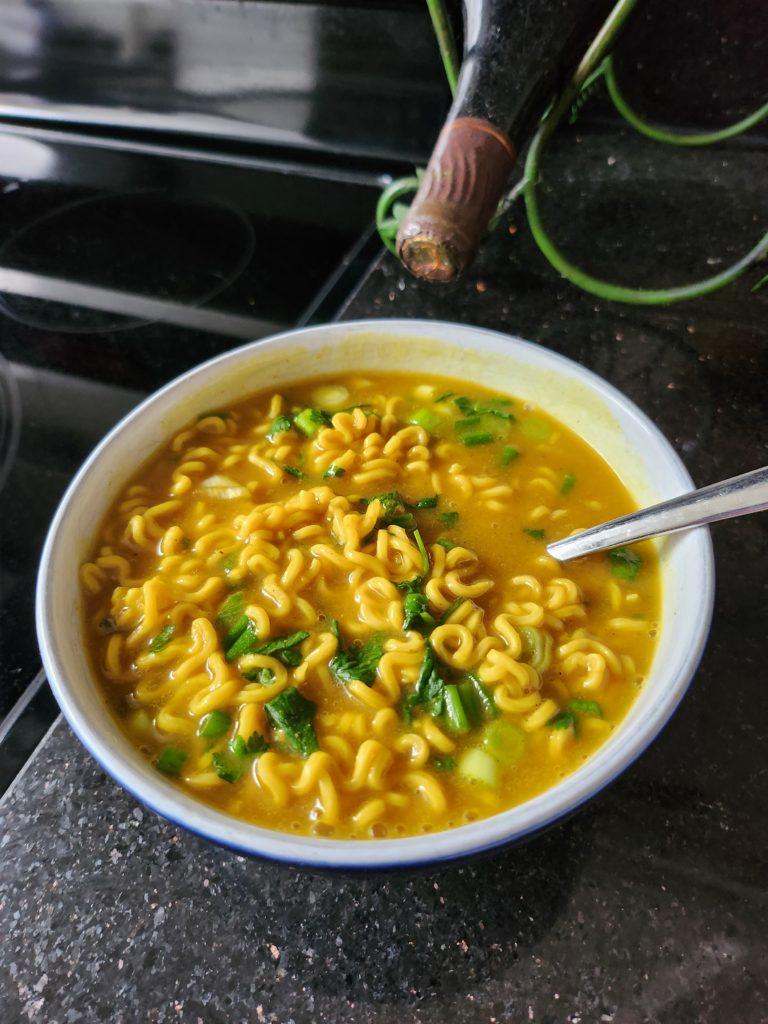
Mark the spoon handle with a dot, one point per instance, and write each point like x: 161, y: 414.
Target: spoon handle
x: 735, y: 497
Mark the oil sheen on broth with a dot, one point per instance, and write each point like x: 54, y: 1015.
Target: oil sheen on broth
x: 330, y: 611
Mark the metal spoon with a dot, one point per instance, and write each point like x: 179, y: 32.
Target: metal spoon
x: 735, y: 497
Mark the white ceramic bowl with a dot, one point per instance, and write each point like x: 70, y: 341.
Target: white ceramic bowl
x: 600, y: 414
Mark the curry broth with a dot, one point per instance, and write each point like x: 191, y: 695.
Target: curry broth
x: 175, y: 547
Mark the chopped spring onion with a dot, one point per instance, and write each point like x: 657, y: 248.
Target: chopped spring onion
x: 444, y: 397
x: 450, y: 610
x: 160, y: 642
x: 223, y: 488
x: 228, y: 765
x: 448, y: 519
x: 484, y: 698
x: 279, y: 425
x: 228, y: 563
x: 563, y: 720
x: 569, y: 482
x: 170, y: 760
x: 333, y: 471
x: 535, y: 428
x: 444, y: 542
x: 508, y: 454
x: 426, y: 418
x: 504, y: 741
x: 537, y: 647
x: 422, y: 551
x: 292, y: 713
x: 473, y: 440
x: 478, y: 766
x: 292, y: 471
x: 422, y: 503
x: 330, y: 396
x: 309, y: 421
x: 231, y: 611
x: 213, y: 725
x: 455, y: 715
x: 264, y: 676
x: 585, y: 707
x: 443, y: 764
x: 536, y: 534
x: 470, y: 703
x: 245, y: 642
x: 625, y: 563
x: 281, y: 647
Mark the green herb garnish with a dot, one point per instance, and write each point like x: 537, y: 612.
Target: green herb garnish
x: 423, y: 503
x: 422, y: 551
x: 585, y: 707
x: 563, y: 720
x: 170, y: 760
x: 245, y: 640
x: 309, y: 421
x: 281, y: 647
x: 293, y: 714
x: 162, y: 639
x: 292, y: 470
x: 508, y: 454
x: 429, y: 691
x: 279, y: 425
x: 333, y: 471
x: 358, y: 663
x: 569, y: 482
x: 416, y: 611
x: 481, y: 437
x: 231, y: 611
x: 214, y: 725
x: 537, y: 534
x: 229, y: 766
x: 443, y: 764
x: 444, y: 542
x: 625, y: 563
x: 448, y: 519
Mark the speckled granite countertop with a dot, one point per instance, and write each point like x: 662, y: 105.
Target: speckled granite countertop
x: 649, y: 906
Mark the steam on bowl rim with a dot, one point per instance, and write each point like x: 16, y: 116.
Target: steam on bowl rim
x: 89, y: 719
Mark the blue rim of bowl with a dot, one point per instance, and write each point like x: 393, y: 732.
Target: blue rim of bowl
x: 55, y: 674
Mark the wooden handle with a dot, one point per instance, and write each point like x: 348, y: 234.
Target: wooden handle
x: 463, y: 183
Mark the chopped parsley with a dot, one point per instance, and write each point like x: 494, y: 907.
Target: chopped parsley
x: 356, y: 663
x: 429, y: 691
x: 625, y: 563
x: 279, y: 425
x: 294, y: 715
x: 563, y: 720
x: 333, y: 471
x: 162, y: 639
x: 282, y: 647
x: 423, y: 503
x: 292, y: 470
x: 537, y: 534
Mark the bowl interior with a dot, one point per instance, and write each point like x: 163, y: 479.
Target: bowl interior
x: 615, y: 428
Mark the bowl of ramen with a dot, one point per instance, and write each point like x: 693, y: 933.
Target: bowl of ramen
x: 299, y: 601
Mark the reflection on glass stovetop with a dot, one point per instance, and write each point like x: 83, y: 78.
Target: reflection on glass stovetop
x: 119, y: 269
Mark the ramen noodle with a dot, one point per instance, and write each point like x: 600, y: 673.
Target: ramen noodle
x: 330, y: 610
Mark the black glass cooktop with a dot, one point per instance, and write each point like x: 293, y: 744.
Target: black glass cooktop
x: 121, y: 266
